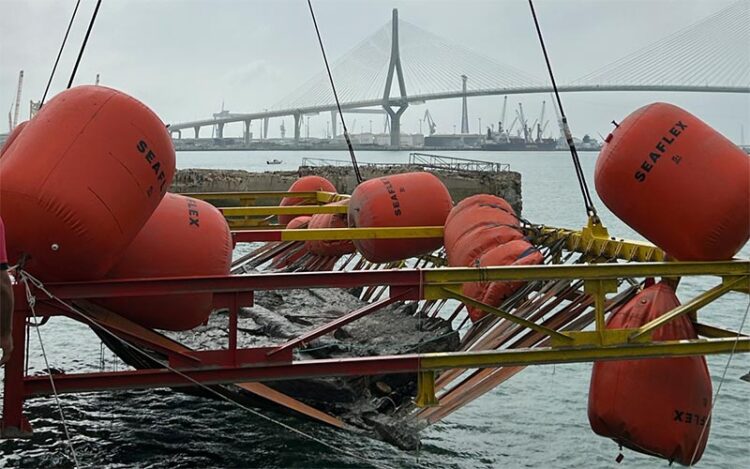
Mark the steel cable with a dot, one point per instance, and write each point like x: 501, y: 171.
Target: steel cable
x: 59, y: 53
x: 31, y: 300
x: 85, y: 41
x: 357, y: 174
x: 39, y: 285
x: 588, y: 202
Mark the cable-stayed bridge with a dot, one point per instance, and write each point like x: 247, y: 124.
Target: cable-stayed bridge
x: 402, y: 64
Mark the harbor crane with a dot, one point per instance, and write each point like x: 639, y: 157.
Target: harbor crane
x: 430, y: 123
x: 559, y: 121
x: 16, y: 106
x: 540, y: 122
x: 524, y: 124
x: 510, y: 128
x: 502, y: 116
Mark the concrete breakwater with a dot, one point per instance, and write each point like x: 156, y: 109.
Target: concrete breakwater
x: 461, y: 184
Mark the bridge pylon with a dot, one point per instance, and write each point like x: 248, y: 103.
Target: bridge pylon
x: 334, y: 118
x: 395, y: 66
x: 246, y: 134
x: 297, y: 125
x: 465, y: 108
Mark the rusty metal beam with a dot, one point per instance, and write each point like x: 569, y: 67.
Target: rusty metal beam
x: 409, y: 363
x: 430, y: 279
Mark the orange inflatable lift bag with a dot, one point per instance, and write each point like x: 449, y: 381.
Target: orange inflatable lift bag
x: 516, y: 252
x: 184, y: 237
x: 478, y: 241
x: 399, y: 200
x: 477, y: 224
x: 329, y: 248
x: 12, y: 137
x: 80, y: 181
x: 678, y: 182
x: 657, y: 406
x: 283, y: 260
x: 499, y: 291
x: 304, y: 184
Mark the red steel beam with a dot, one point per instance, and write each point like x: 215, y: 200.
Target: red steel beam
x: 158, y: 378
x: 368, y: 366
x: 392, y: 277
x: 254, y: 236
x: 13, y: 421
x: 232, y: 283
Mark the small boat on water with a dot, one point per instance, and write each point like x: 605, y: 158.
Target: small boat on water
x: 273, y: 161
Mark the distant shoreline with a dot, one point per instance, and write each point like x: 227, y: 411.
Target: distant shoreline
x: 356, y: 148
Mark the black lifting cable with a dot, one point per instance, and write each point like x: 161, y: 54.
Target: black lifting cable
x: 83, y: 46
x: 59, y: 53
x: 336, y: 97
x: 589, y: 203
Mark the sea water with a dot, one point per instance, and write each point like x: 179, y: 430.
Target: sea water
x: 536, y: 419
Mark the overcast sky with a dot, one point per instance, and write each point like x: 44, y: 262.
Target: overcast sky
x: 184, y: 57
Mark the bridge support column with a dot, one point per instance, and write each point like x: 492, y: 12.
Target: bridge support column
x: 265, y: 128
x: 197, y: 132
x: 297, y: 124
x: 220, y: 130
x: 465, y: 109
x: 395, y: 68
x: 395, y: 123
x: 246, y: 135
x: 334, y: 119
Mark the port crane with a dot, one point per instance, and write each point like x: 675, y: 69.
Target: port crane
x: 430, y: 123
x: 559, y: 120
x: 541, y: 125
x: 16, y: 105
x: 510, y: 128
x: 502, y: 116
x: 524, y: 123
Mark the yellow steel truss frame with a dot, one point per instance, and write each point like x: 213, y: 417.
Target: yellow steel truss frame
x: 643, y: 260
x: 249, y: 215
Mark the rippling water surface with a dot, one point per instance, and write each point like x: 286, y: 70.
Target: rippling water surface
x: 537, y: 419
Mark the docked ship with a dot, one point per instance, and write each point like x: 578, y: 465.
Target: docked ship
x: 524, y: 140
x: 503, y: 142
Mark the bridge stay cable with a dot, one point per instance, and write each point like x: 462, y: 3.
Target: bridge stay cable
x: 588, y: 202
x: 357, y: 174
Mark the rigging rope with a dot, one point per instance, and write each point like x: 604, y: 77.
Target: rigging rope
x: 336, y: 97
x: 59, y: 53
x: 721, y: 382
x: 25, y: 276
x: 83, y: 45
x: 588, y: 202
x: 31, y: 300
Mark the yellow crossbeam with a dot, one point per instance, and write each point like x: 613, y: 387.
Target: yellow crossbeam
x: 456, y: 275
x: 363, y: 233
x: 328, y: 197
x: 713, y: 332
x: 562, y: 338
x: 695, y: 304
x: 311, y: 195
x: 548, y: 356
x: 288, y: 210
x: 595, y: 239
